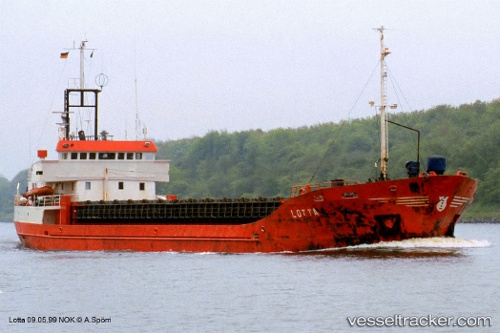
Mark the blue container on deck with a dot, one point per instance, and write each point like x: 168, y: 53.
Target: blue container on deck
x: 437, y: 164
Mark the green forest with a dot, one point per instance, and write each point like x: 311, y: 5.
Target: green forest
x: 266, y: 163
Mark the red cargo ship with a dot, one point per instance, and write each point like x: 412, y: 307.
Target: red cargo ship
x: 100, y: 195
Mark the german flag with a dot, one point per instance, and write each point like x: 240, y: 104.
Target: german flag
x: 64, y: 55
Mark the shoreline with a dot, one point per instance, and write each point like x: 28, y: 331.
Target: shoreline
x: 479, y: 220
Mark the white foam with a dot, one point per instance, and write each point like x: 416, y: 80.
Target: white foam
x: 434, y: 242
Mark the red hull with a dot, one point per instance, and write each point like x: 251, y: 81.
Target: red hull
x: 325, y: 218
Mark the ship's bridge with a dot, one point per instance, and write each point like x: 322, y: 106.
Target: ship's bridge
x: 106, y: 150
x: 102, y: 170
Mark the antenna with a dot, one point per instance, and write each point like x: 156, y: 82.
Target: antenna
x: 137, y: 121
x: 101, y: 80
x: 82, y: 48
x: 384, y: 138
x: 82, y: 62
x: 83, y: 99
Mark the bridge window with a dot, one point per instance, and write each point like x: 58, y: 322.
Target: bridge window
x: 130, y: 156
x: 138, y: 156
x: 121, y: 156
x: 120, y: 185
x: 106, y: 156
x: 91, y: 156
x: 88, y: 186
x: 142, y: 186
x: 74, y: 156
x: 83, y: 156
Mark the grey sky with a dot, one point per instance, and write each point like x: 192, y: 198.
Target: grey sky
x: 235, y: 65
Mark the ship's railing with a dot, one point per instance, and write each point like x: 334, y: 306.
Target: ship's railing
x: 84, y: 137
x: 297, y: 190
x: 47, y: 200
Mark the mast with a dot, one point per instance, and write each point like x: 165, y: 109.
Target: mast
x: 84, y: 98
x: 384, y: 139
x: 82, y: 61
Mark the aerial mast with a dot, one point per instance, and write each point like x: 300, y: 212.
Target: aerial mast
x: 82, y: 100
x: 82, y: 48
x: 384, y: 140
x: 82, y: 61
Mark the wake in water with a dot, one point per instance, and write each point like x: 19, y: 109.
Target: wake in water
x: 409, y: 248
x: 426, y: 243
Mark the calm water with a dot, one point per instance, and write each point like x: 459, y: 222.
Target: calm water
x: 179, y: 292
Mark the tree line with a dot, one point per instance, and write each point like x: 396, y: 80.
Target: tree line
x: 257, y: 163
